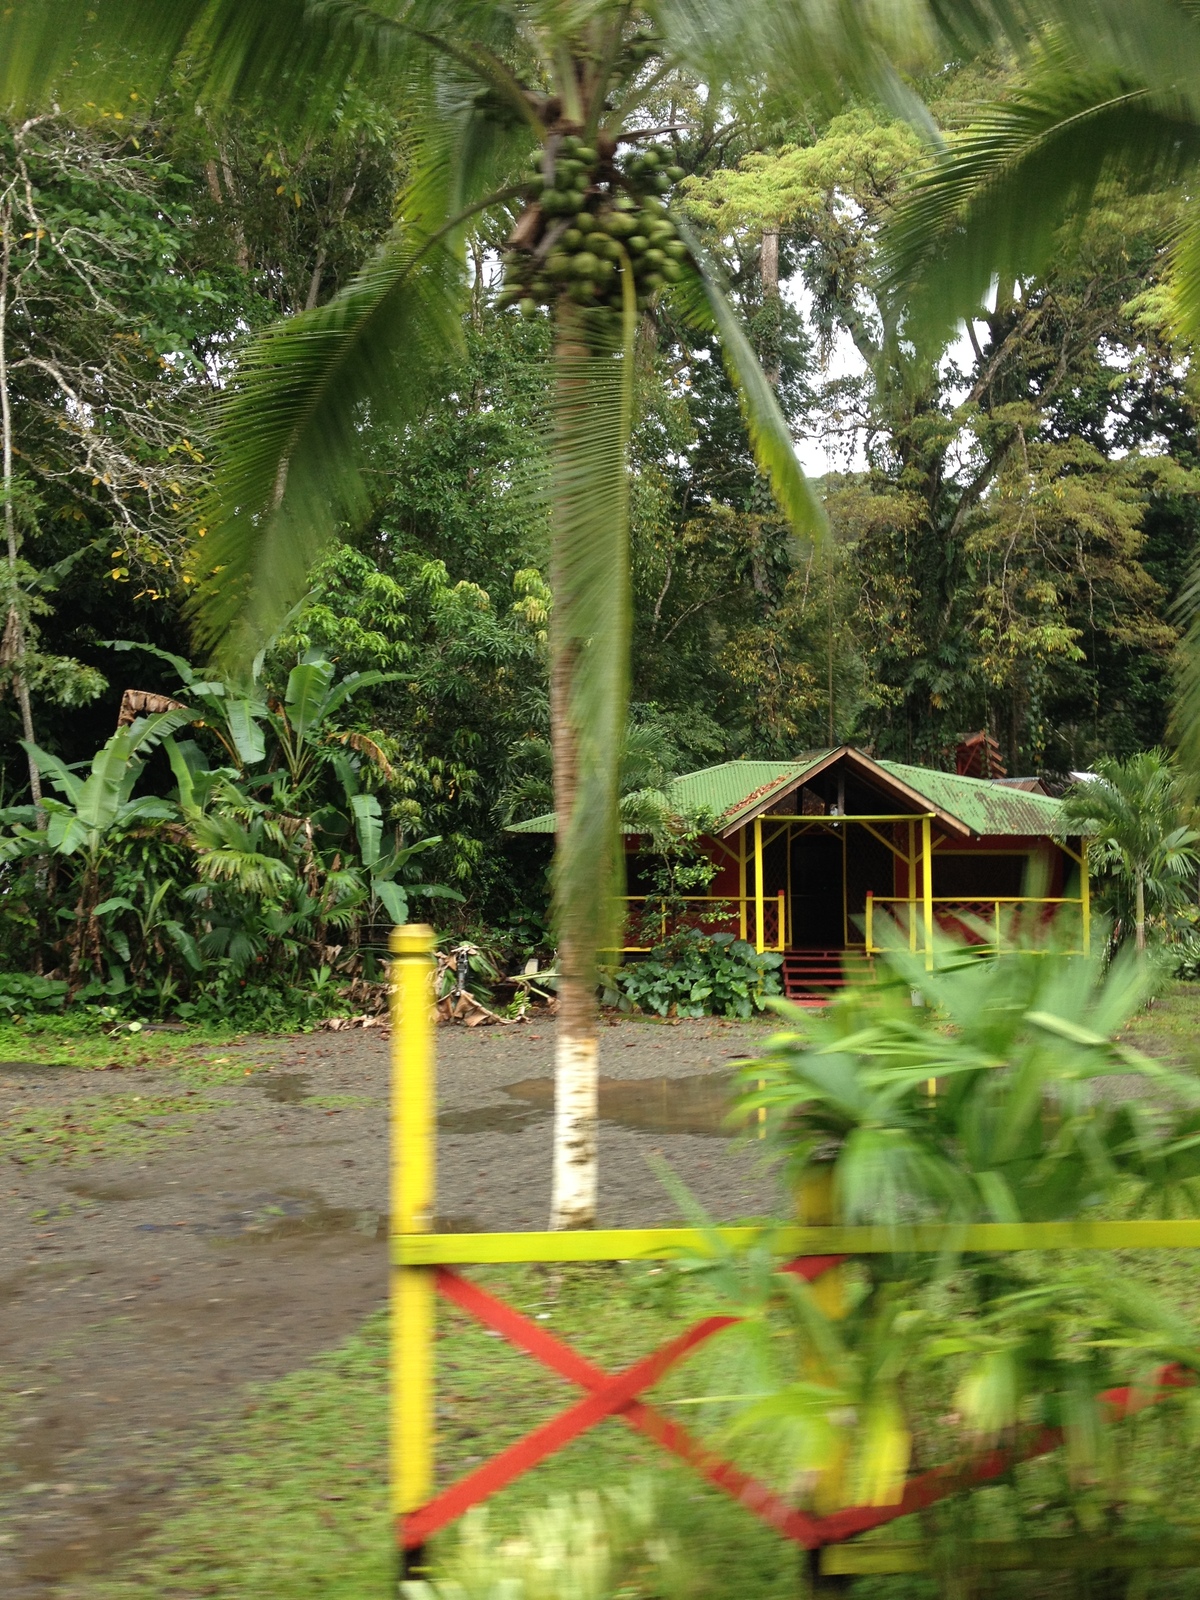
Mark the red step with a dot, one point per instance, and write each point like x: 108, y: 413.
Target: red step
x: 813, y: 974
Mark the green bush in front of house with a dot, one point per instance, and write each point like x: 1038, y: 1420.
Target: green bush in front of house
x: 695, y: 974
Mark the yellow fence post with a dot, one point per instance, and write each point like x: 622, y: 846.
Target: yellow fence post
x: 815, y: 1209
x: 1085, y: 896
x: 869, y: 919
x: 927, y: 888
x: 411, y: 1203
x: 780, y: 942
x: 760, y: 938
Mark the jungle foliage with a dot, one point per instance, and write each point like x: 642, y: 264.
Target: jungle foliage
x: 1013, y: 515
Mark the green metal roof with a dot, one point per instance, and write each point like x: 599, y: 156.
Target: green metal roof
x: 984, y: 807
x: 738, y: 788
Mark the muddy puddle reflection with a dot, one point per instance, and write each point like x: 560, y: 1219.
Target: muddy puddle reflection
x: 697, y: 1104
x: 286, y: 1088
x: 493, y: 1119
x: 268, y: 1218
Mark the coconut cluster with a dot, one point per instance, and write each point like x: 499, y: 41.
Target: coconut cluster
x: 590, y: 213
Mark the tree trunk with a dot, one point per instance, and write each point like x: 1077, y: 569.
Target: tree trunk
x: 1140, y: 911
x: 769, y: 264
x: 577, y: 1046
x: 14, y: 628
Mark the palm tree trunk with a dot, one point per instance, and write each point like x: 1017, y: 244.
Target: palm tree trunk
x: 589, y: 696
x: 1140, y: 911
x: 577, y: 1045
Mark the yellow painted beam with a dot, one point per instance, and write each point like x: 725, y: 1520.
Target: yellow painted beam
x: 824, y: 816
x: 927, y: 888
x: 412, y: 1188
x: 1085, y: 897
x: 1086, y: 1553
x: 652, y: 1244
x: 760, y: 936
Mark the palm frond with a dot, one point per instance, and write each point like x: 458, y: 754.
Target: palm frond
x: 291, y: 434
x: 1157, y: 41
x: 593, y: 417
x: 777, y: 54
x: 299, y: 53
x: 770, y: 437
x: 994, y: 203
x: 1184, y: 278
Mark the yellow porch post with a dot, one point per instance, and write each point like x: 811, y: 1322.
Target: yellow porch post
x: 411, y: 1203
x: 927, y: 888
x: 742, y: 884
x: 911, y: 888
x: 760, y: 936
x: 1085, y: 896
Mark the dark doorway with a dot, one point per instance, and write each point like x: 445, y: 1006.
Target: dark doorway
x: 817, y: 922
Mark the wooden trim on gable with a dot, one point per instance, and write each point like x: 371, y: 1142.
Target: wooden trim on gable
x: 866, y: 769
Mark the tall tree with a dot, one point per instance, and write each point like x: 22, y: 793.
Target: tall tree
x: 1110, y: 94
x: 91, y: 429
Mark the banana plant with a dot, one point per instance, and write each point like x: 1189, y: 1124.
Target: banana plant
x: 541, y: 120
x: 240, y: 714
x: 90, y: 812
x: 301, y: 725
x: 381, y: 868
x: 234, y: 716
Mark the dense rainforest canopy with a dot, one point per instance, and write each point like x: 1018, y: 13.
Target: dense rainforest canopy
x: 1011, y: 522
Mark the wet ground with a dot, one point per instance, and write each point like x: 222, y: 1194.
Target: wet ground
x: 240, y: 1229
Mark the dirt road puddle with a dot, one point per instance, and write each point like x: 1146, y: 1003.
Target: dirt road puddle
x: 697, y: 1104
x: 286, y: 1088
x: 269, y: 1217
x: 494, y: 1119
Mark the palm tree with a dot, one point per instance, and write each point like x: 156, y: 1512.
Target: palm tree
x: 1135, y: 809
x: 592, y: 242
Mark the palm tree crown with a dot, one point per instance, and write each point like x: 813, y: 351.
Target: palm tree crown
x: 1135, y: 809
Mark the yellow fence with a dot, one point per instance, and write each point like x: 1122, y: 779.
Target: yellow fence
x: 721, y: 908
x: 970, y: 915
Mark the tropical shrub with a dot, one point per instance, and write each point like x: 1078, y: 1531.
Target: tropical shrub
x: 250, y: 888
x: 25, y: 993
x: 987, y: 1103
x: 698, y: 974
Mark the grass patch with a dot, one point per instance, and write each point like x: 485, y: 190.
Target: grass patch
x: 122, y: 1125
x: 199, y: 1056
x: 1170, y: 1028
x: 289, y: 1503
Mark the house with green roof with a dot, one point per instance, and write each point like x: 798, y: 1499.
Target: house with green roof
x: 814, y: 857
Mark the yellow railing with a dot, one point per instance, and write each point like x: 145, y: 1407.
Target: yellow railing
x: 743, y: 907
x: 980, y: 909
